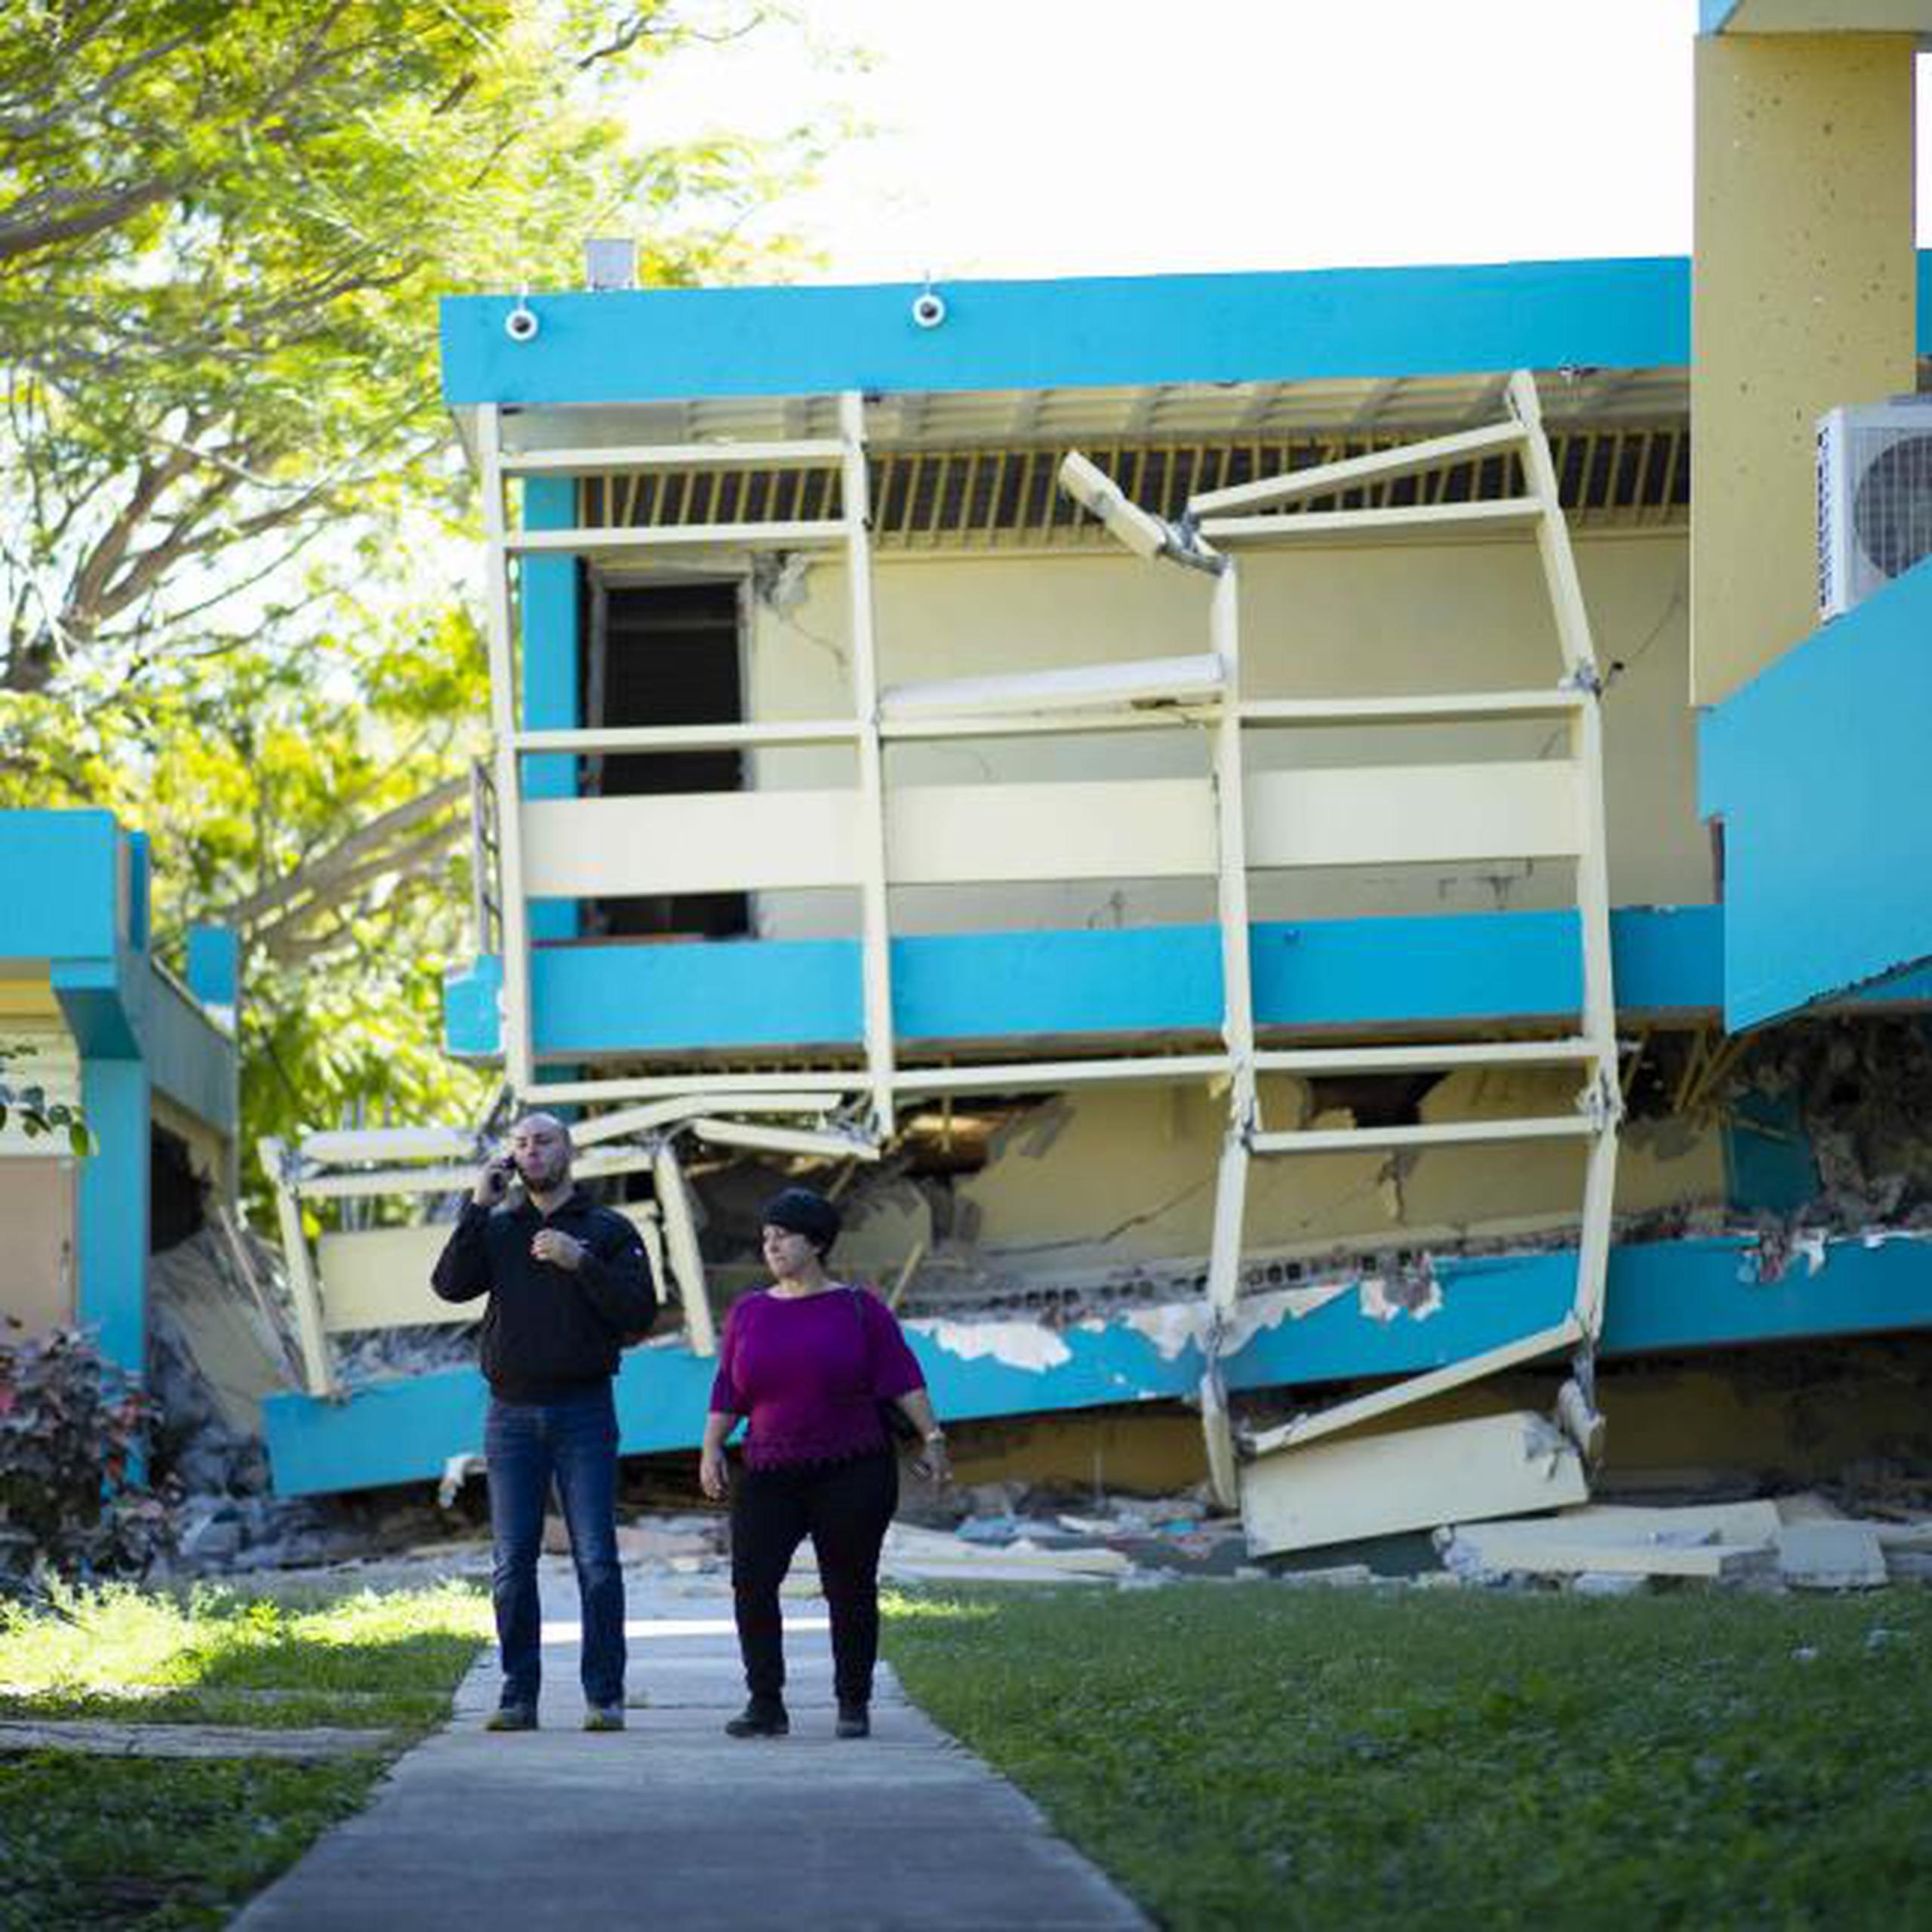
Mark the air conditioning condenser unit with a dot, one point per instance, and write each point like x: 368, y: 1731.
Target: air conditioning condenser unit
x: 1875, y: 498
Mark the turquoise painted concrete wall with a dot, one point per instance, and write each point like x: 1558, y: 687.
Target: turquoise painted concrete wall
x: 63, y: 885
x: 636, y: 345
x: 189, y: 1058
x: 645, y: 345
x: 750, y: 992
x: 112, y: 1243
x: 213, y: 965
x: 1666, y: 1295
x: 1817, y: 769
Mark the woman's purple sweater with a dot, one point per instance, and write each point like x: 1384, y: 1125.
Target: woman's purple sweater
x: 811, y: 1371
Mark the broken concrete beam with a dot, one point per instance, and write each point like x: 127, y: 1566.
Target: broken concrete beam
x: 1747, y: 1523
x: 1908, y: 1566
x: 1547, y: 1549
x: 1337, y: 1490
x: 1831, y: 1556
x: 1915, y: 1536
x: 931, y: 1555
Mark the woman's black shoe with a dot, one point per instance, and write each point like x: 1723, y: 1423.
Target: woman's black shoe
x: 759, y: 1720
x: 855, y: 1720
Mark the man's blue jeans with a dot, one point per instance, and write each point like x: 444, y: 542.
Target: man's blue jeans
x: 524, y: 1444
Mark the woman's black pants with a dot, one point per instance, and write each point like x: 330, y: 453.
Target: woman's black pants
x: 844, y: 1508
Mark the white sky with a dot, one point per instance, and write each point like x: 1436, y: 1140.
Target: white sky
x: 1045, y: 137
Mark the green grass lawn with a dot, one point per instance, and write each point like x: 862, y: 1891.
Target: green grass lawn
x: 1255, y: 1755
x: 108, y: 1842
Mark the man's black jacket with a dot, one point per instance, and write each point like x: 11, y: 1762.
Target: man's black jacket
x: 549, y: 1332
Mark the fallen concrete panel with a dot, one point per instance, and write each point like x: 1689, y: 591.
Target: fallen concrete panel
x: 1541, y: 1550
x: 1740, y: 1523
x: 916, y: 1555
x: 1831, y: 1556
x: 1412, y: 1479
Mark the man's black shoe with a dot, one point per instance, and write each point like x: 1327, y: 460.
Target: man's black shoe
x: 855, y: 1720
x: 759, y: 1719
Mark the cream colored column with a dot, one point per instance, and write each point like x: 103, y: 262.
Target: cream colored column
x: 1803, y: 297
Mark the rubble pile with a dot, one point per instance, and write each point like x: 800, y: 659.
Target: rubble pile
x: 1802, y: 1542
x: 1860, y: 1091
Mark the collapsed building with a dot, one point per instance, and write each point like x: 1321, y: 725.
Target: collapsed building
x: 1291, y: 844
x: 93, y: 1019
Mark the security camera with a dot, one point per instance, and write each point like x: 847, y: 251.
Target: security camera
x: 521, y: 324
x: 928, y: 309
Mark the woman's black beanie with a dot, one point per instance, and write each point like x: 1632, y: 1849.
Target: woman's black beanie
x: 805, y: 1212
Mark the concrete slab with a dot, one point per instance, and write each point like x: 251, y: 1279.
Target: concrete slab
x: 1831, y: 1556
x: 671, y: 1824
x: 102, y: 1738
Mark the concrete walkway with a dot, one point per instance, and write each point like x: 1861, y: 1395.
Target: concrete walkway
x: 672, y: 1824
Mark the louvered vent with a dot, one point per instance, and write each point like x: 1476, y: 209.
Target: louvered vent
x: 1007, y: 498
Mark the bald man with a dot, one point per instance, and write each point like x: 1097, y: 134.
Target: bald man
x: 567, y: 1282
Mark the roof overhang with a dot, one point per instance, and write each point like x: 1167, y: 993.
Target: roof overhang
x: 1385, y: 408
x: 1743, y: 17
x: 1104, y: 333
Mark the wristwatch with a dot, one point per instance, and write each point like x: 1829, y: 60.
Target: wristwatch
x: 935, y: 1435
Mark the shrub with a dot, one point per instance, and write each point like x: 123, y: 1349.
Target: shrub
x: 72, y: 1424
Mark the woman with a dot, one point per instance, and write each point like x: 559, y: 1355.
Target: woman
x: 813, y: 1362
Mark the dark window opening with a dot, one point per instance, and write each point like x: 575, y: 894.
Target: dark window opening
x: 178, y: 1195
x: 664, y: 654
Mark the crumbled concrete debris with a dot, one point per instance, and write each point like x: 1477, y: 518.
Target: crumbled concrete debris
x: 1337, y: 1576
x: 226, y: 1535
x: 213, y: 1352
x: 1601, y: 1551
x: 1861, y: 1087
x: 920, y: 1555
x: 375, y: 1354
x: 1599, y: 1583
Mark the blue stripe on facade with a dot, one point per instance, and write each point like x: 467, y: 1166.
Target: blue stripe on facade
x: 1451, y: 969
x: 662, y: 344
x: 1661, y: 1296
x: 643, y: 345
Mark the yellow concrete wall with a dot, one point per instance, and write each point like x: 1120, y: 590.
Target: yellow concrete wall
x: 43, y: 1054
x: 1804, y: 297
x: 23, y: 999
x: 1324, y: 622
x: 37, y: 1255
x: 1118, y: 1175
